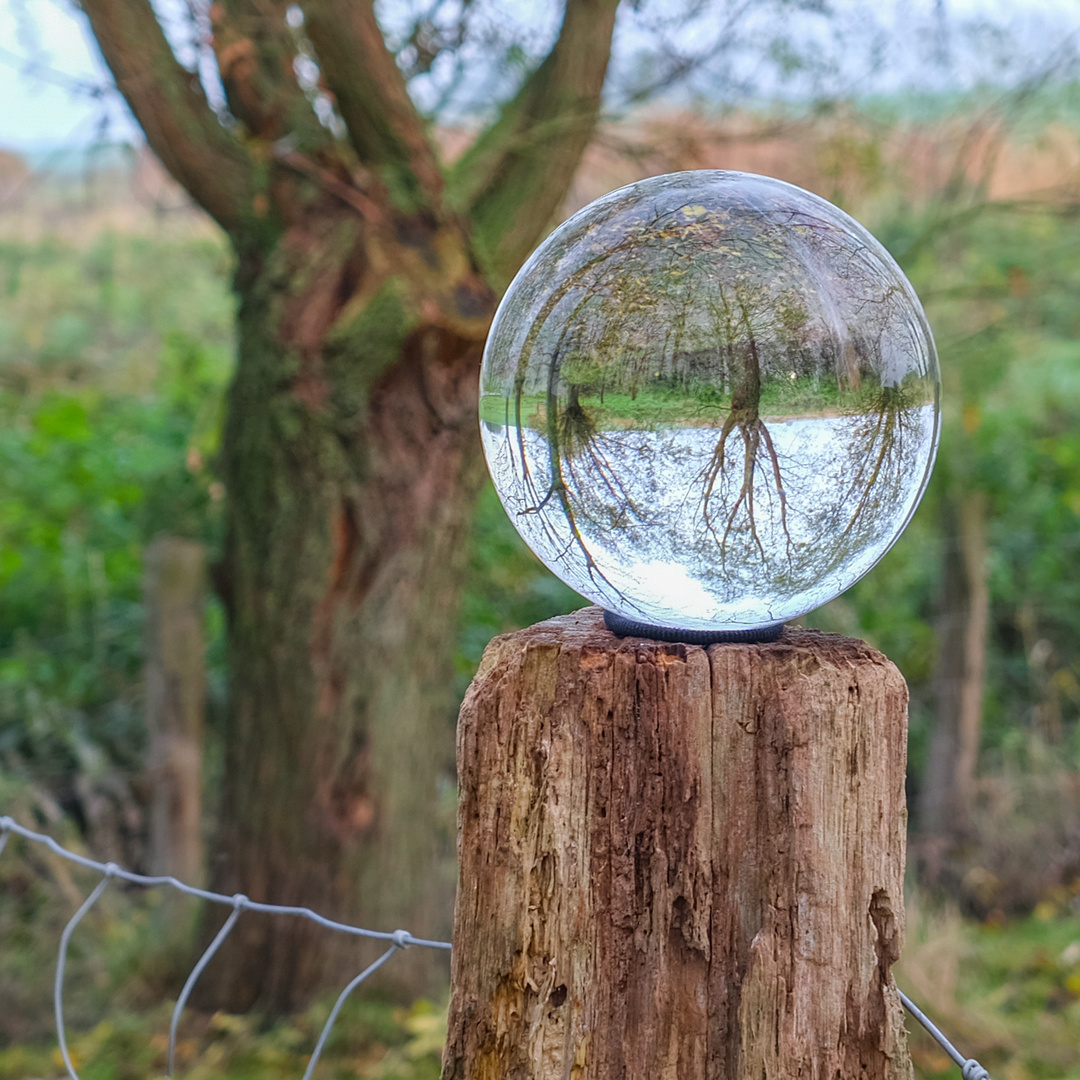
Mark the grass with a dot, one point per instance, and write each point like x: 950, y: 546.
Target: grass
x: 659, y: 407
x: 372, y: 1040
x: 1006, y: 993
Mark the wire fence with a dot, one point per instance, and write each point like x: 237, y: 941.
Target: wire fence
x: 397, y: 940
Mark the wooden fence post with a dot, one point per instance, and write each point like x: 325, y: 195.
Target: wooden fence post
x: 174, y: 594
x: 678, y: 862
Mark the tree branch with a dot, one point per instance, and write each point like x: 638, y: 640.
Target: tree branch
x: 255, y: 52
x: 517, y: 173
x: 170, y: 106
x: 384, y: 127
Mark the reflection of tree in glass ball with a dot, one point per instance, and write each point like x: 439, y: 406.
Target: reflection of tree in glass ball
x: 710, y: 400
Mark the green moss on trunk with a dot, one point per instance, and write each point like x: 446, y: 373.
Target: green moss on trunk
x: 350, y: 501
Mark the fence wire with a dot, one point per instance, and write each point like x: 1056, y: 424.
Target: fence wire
x: 970, y: 1069
x: 397, y: 940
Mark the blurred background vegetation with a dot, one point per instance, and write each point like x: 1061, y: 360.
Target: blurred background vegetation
x: 116, y: 345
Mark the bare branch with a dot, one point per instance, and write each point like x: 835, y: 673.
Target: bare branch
x: 170, y: 106
x: 256, y: 50
x: 384, y: 127
x: 429, y: 39
x: 38, y: 69
x: 516, y: 175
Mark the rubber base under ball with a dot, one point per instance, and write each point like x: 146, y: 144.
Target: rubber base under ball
x: 623, y: 627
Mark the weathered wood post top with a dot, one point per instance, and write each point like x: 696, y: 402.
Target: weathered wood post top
x: 678, y: 862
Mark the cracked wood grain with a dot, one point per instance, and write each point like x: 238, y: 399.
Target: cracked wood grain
x: 679, y: 862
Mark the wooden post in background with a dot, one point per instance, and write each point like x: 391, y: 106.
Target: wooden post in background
x: 174, y: 594
x: 677, y: 862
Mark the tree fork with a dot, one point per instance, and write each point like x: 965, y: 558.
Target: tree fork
x: 678, y: 861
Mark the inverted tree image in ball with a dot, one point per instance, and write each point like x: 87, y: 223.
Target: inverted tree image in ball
x: 709, y: 400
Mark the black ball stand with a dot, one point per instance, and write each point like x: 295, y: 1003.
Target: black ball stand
x: 620, y: 626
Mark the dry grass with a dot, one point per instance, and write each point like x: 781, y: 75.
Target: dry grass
x: 844, y: 157
x: 1006, y: 993
x: 136, y: 197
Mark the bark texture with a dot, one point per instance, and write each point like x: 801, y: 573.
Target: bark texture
x: 340, y: 601
x: 678, y: 862
x: 366, y: 280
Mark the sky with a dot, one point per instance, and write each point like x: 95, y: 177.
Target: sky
x: 43, y: 109
x: 36, y: 111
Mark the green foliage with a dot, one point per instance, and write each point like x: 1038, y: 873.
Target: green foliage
x: 999, y: 286
x: 1007, y: 994
x: 508, y: 587
x: 113, y: 359
x: 371, y: 1040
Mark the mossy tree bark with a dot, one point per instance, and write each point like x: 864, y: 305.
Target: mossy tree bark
x: 366, y: 279
x: 346, y: 545
x: 677, y: 861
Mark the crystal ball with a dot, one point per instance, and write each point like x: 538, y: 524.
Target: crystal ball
x: 710, y: 400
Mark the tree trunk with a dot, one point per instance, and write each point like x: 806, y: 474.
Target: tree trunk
x: 948, y: 781
x: 366, y: 278
x: 174, y: 585
x: 678, y: 862
x: 351, y: 498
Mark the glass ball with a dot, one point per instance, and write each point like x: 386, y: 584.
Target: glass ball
x: 709, y: 400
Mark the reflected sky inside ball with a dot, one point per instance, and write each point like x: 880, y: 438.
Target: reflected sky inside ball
x: 710, y: 400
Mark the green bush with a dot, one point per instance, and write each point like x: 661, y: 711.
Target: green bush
x: 113, y: 360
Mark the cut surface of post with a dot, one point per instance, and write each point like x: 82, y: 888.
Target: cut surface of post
x: 679, y: 862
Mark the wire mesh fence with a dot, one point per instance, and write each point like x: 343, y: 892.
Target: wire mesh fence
x: 396, y: 941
